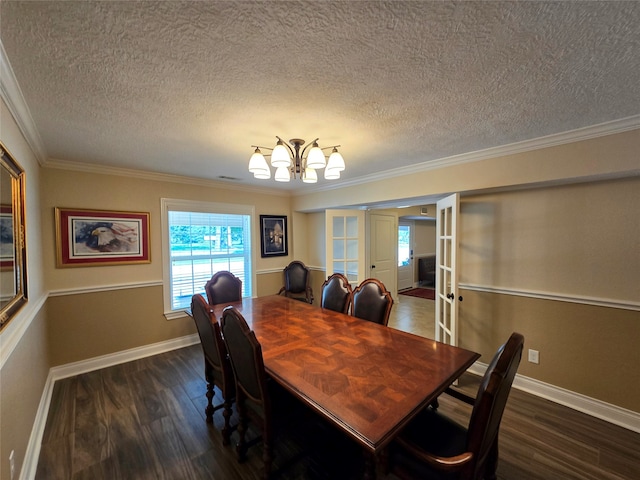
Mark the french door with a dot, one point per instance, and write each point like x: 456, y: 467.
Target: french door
x: 447, y: 298
x: 345, y: 244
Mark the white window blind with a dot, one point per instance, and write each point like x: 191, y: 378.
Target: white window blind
x: 201, y: 243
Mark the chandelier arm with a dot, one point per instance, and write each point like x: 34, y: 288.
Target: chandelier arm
x: 286, y: 145
x: 332, y: 146
x: 310, y: 144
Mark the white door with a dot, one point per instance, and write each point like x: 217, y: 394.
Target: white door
x: 383, y: 238
x: 405, y: 255
x: 446, y: 270
x: 345, y: 244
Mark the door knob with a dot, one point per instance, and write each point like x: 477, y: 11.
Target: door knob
x: 373, y: 266
x: 450, y: 296
x: 460, y: 298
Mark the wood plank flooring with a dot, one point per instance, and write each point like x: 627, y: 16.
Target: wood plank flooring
x: 145, y: 420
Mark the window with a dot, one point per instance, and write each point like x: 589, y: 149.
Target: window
x: 404, y: 245
x: 200, y: 239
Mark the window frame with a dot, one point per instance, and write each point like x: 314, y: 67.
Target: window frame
x: 171, y: 204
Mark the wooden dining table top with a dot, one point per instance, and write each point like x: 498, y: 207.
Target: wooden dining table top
x: 367, y: 379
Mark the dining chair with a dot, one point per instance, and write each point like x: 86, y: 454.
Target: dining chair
x: 372, y: 301
x: 217, y: 368
x: 297, y: 282
x: 253, y: 401
x: 336, y: 293
x: 223, y: 287
x: 434, y: 447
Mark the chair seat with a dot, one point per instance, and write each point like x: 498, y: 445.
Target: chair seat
x: 433, y: 446
x: 433, y: 433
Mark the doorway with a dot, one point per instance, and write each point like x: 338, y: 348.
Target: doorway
x: 405, y: 255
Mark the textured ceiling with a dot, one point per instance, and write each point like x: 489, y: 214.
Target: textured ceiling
x: 187, y: 87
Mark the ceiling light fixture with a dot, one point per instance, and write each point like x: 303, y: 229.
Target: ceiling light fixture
x: 292, y: 163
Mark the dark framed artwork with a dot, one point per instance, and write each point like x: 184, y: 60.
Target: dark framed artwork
x: 101, y: 237
x: 273, y: 235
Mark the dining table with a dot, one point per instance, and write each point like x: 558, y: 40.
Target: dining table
x: 367, y: 379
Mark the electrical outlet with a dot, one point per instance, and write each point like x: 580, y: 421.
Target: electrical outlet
x: 12, y: 463
x: 534, y: 356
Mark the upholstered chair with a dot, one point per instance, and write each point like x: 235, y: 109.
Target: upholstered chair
x: 435, y: 447
x: 336, y: 293
x: 217, y: 368
x: 297, y: 279
x: 372, y: 301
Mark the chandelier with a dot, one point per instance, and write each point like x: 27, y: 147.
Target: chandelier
x: 292, y: 163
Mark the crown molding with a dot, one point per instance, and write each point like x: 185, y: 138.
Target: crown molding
x: 12, y: 96
x: 572, y: 136
x: 159, y: 177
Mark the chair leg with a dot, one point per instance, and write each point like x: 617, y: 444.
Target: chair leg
x: 226, y: 430
x: 209, y: 408
x: 241, y: 446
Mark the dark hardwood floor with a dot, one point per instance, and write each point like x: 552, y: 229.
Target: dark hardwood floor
x: 145, y: 420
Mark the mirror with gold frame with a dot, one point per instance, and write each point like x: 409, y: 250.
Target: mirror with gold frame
x: 13, y: 258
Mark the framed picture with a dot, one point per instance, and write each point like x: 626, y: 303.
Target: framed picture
x: 273, y: 235
x: 6, y: 237
x: 101, y: 237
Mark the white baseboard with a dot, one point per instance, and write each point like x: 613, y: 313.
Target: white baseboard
x: 605, y: 411
x: 32, y: 453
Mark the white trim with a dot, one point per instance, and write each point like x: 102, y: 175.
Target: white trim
x: 32, y: 453
x: 12, y: 95
x: 267, y: 271
x: 104, y: 361
x: 583, y: 300
x: 15, y: 330
x: 103, y: 288
x: 578, y: 135
x: 596, y: 408
x: 160, y: 177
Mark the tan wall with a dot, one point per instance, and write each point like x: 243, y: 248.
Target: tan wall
x: 576, y: 242
x: 69, y: 189
x: 317, y: 239
x: 585, y: 349
x: 424, y: 237
x: 23, y: 374
x: 22, y: 382
x: 88, y: 325
x: 577, y: 239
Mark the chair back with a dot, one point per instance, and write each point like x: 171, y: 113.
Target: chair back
x: 491, y: 401
x: 297, y: 281
x: 336, y: 293
x: 224, y: 287
x: 245, y: 354
x: 296, y: 277
x: 213, y: 347
x: 372, y: 301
